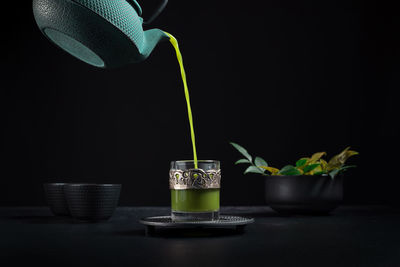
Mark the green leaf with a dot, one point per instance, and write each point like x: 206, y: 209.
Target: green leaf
x: 333, y: 173
x: 342, y: 169
x: 253, y: 169
x: 347, y: 167
x: 289, y: 170
x: 286, y: 168
x: 301, y: 162
x: 242, y: 161
x: 242, y: 150
x: 311, y: 167
x: 260, y: 162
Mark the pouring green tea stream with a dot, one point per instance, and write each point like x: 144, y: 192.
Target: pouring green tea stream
x: 191, y: 201
x: 175, y: 44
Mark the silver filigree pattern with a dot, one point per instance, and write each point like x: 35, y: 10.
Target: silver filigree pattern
x: 194, y: 179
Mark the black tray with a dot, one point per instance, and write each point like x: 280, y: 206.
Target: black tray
x: 166, y: 222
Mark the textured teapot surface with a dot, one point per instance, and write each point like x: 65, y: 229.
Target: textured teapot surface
x: 103, y: 33
x: 121, y: 14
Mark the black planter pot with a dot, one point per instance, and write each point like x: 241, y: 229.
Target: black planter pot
x: 303, y: 194
x: 92, y: 202
x: 55, y: 198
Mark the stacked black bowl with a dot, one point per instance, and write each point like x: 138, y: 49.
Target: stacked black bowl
x: 55, y: 198
x: 84, y: 201
x: 92, y: 202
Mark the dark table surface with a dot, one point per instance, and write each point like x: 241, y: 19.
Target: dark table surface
x: 350, y: 236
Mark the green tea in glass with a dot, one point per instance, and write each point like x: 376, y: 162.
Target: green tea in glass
x: 195, y: 191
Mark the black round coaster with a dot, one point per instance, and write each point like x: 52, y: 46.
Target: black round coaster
x: 166, y: 222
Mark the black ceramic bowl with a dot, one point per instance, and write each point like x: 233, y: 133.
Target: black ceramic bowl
x: 303, y: 194
x: 55, y: 198
x: 92, y: 202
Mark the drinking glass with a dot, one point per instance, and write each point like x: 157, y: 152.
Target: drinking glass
x: 195, y: 191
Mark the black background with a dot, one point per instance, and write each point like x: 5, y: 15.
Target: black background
x: 282, y: 78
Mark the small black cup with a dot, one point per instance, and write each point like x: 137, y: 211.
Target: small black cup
x: 55, y: 198
x: 92, y: 202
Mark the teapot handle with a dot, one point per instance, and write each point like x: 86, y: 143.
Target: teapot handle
x: 159, y: 9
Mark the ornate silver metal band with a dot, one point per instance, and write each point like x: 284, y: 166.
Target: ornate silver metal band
x: 194, y: 179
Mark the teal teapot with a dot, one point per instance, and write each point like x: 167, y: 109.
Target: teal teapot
x: 103, y: 33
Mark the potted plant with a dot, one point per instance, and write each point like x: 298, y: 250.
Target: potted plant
x: 311, y: 185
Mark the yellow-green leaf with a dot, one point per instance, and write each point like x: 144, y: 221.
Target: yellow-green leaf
x: 351, y: 153
x: 324, y: 164
x: 272, y: 170
x: 300, y: 170
x: 338, y: 160
x: 316, y: 156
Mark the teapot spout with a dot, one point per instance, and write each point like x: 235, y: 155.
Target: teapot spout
x: 151, y: 39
